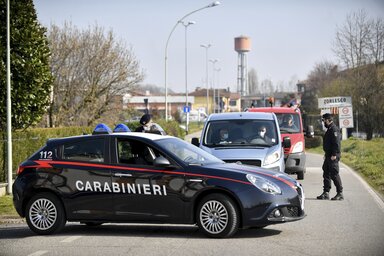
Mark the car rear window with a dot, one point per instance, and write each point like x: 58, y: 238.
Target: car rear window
x: 87, y: 151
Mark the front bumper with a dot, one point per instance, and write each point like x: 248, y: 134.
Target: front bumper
x: 275, y: 209
x: 295, y: 163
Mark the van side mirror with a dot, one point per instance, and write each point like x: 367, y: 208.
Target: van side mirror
x: 287, y: 142
x: 195, y: 141
x: 310, y: 133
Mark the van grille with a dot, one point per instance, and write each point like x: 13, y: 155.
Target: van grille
x: 248, y: 162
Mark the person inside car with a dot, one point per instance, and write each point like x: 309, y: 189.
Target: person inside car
x: 224, y: 136
x: 263, y: 135
x: 288, y: 122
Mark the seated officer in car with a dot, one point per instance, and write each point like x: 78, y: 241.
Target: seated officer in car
x: 224, y: 136
x: 263, y: 134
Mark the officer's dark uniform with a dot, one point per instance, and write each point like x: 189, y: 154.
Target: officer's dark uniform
x: 146, y: 118
x: 331, y: 147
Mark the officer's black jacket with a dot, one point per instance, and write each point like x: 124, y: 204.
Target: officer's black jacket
x: 331, y: 141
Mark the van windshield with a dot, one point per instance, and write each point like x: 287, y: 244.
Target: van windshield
x: 227, y: 133
x: 288, y: 123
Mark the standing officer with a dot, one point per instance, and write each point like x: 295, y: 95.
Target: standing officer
x: 331, y: 147
x: 145, y: 121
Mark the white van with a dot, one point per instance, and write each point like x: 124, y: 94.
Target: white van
x: 245, y: 142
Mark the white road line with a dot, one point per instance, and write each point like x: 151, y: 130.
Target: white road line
x: 38, y: 253
x: 70, y: 239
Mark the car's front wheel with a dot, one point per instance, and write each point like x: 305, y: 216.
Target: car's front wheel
x: 218, y: 216
x: 45, y: 214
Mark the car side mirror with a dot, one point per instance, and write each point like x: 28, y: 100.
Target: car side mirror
x: 161, y: 162
x: 287, y: 142
x: 195, y: 141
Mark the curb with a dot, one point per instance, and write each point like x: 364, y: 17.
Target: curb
x: 11, y: 220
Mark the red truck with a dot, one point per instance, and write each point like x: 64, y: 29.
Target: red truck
x: 291, y: 125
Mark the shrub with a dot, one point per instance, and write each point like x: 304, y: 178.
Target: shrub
x: 313, y: 142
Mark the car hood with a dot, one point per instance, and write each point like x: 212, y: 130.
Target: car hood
x: 250, y: 169
x: 241, y: 152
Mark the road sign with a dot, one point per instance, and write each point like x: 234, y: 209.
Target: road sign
x: 346, y: 117
x: 186, y: 109
x: 340, y: 101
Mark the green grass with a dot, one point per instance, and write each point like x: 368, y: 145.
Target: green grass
x: 365, y: 157
x: 6, y: 207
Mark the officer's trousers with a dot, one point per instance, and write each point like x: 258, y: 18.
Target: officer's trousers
x: 331, y: 173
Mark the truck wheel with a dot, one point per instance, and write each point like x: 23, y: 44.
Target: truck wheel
x: 45, y: 214
x: 217, y: 216
x: 300, y: 175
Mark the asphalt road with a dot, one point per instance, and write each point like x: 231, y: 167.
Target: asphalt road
x: 354, y: 226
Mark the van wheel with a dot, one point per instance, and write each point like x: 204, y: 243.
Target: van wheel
x: 300, y: 175
x: 217, y: 216
x: 45, y: 214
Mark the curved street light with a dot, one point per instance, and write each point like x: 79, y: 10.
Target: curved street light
x: 214, y: 61
x: 186, y: 25
x: 206, y: 46
x: 213, y: 4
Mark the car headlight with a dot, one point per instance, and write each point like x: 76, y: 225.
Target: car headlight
x: 272, y: 158
x: 264, y: 184
x: 298, y: 147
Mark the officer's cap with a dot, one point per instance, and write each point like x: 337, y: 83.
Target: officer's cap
x: 327, y: 116
x: 145, y: 119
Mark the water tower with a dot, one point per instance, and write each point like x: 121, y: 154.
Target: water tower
x: 242, y: 46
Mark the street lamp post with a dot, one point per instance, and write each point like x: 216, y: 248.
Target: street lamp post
x: 206, y: 46
x: 214, y: 61
x: 213, y: 4
x: 218, y: 89
x: 186, y: 25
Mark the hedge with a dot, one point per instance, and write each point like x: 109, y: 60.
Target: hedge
x: 25, y: 143
x: 313, y: 142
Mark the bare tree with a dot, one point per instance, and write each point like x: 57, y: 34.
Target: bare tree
x: 319, y: 78
x: 267, y: 87
x: 90, y: 69
x: 359, y: 45
x: 253, y: 82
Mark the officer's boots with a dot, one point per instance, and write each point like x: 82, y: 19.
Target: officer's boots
x: 339, y: 196
x: 324, y: 196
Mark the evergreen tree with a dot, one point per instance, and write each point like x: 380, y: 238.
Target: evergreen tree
x: 31, y: 79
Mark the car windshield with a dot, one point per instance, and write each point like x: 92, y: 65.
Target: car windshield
x: 188, y: 153
x: 229, y: 133
x: 288, y: 123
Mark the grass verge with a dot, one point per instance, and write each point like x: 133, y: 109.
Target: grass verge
x: 365, y: 157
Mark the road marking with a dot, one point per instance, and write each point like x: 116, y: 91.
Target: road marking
x: 70, y: 239
x: 38, y: 253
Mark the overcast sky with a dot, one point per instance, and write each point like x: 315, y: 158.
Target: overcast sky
x: 288, y: 36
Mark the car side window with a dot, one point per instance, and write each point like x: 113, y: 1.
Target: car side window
x: 88, y: 151
x: 135, y: 152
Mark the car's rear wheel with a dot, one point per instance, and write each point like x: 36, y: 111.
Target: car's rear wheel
x: 218, y: 216
x: 45, y: 214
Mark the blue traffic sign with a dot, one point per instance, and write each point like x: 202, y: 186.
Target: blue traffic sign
x: 186, y: 109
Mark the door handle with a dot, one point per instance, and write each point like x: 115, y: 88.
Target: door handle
x: 194, y: 180
x: 123, y: 175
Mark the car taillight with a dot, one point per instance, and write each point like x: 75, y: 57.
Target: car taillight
x: 20, y: 170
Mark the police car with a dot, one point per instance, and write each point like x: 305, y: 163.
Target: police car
x: 141, y: 177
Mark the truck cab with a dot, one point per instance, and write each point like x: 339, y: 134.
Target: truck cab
x: 291, y: 126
